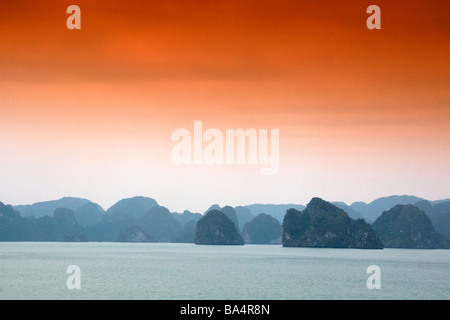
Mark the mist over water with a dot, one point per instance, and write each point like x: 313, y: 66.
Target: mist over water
x: 37, y: 270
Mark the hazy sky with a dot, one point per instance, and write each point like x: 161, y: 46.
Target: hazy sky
x: 89, y: 113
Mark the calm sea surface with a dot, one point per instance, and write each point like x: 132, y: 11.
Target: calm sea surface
x: 37, y: 270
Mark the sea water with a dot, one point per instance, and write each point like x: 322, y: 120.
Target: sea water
x: 38, y: 270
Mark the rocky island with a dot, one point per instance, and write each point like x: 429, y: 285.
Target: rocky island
x: 323, y: 225
x: 263, y: 229
x: 406, y: 226
x: 215, y: 228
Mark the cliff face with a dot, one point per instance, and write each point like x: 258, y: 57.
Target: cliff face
x: 324, y: 225
x: 406, y: 226
x: 216, y: 228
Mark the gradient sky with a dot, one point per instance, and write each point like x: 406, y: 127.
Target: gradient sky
x: 89, y: 113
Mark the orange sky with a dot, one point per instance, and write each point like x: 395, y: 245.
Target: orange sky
x: 362, y: 113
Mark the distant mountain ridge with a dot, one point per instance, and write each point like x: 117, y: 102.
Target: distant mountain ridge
x: 350, y: 211
x: 135, y: 206
x: 60, y: 226
x: 40, y: 209
x: 439, y: 213
x: 159, y: 224
x: 89, y: 214
x: 371, y: 211
x: 133, y: 220
x: 275, y: 210
x: 186, y: 217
